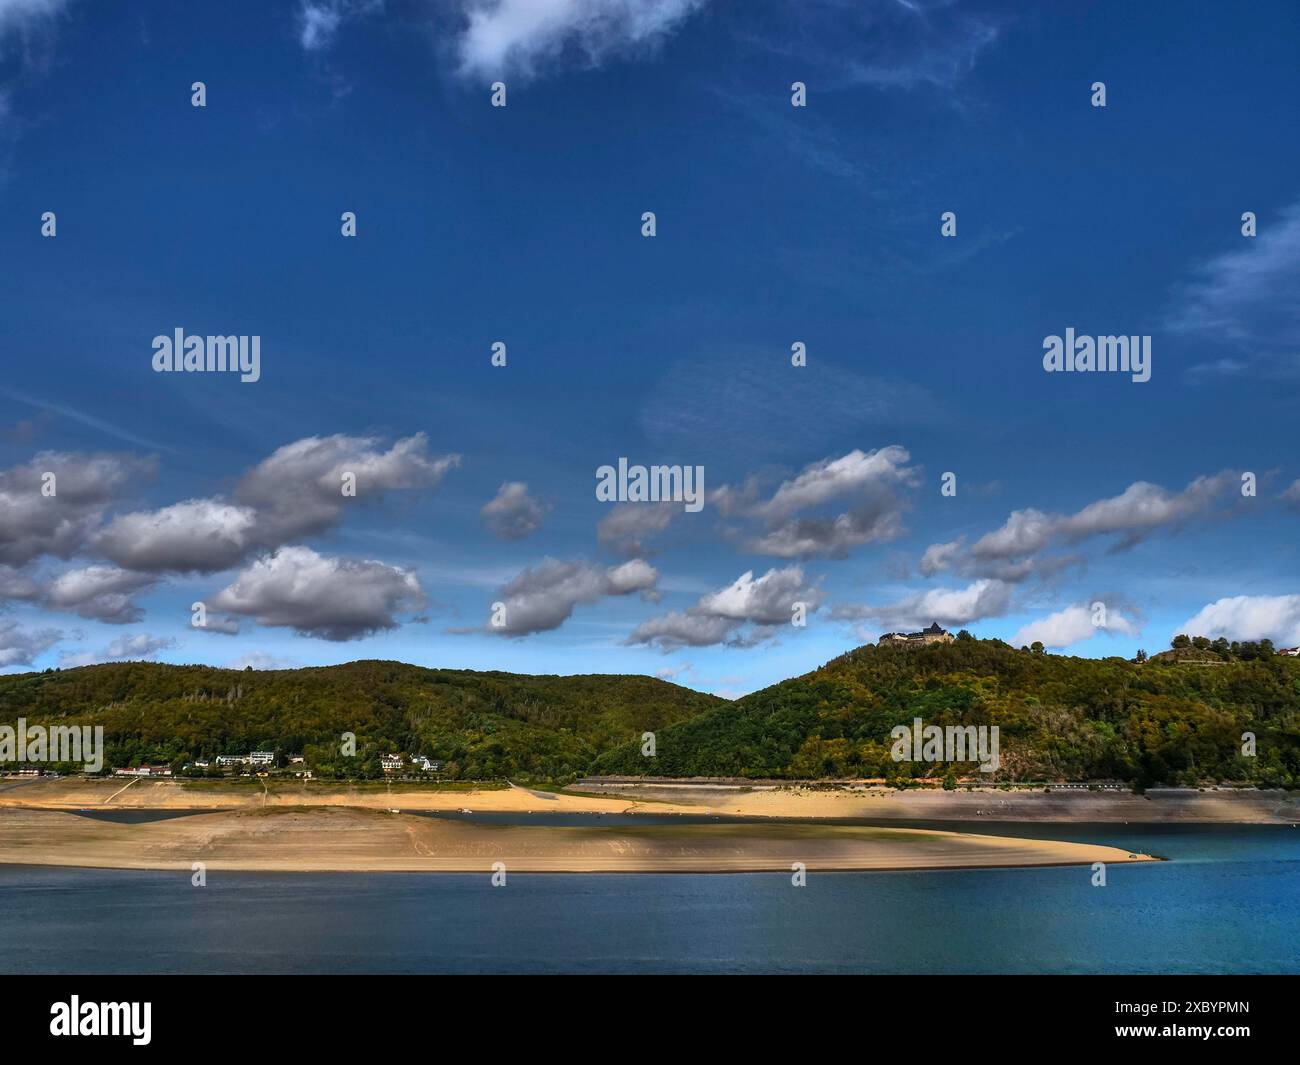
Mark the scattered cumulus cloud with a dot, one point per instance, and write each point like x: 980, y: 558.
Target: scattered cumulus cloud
x: 867, y: 483
x: 19, y: 646
x: 628, y: 525
x: 297, y: 491
x: 315, y: 595
x: 543, y: 597
x: 746, y: 612
x: 101, y: 593
x: 1013, y: 551
x: 34, y: 522
x: 199, y: 534
x: 513, y: 514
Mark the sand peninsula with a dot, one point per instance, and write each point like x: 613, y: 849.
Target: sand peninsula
x: 342, y: 828
x: 350, y: 839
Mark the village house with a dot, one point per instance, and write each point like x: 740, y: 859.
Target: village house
x: 390, y: 763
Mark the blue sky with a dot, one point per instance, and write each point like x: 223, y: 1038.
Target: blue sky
x: 523, y: 224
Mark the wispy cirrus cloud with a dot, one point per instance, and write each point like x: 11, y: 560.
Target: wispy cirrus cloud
x: 727, y: 404
x: 523, y: 38
x: 885, y: 44
x: 28, y: 29
x: 1247, y: 299
x: 517, y: 39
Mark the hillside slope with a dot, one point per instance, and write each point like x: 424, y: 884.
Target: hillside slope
x: 1059, y: 718
x: 482, y: 724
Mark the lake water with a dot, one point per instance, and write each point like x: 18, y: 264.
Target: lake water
x: 1227, y: 901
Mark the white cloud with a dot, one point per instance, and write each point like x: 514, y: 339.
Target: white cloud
x: 102, y: 593
x: 949, y: 607
x: 296, y: 491
x: 1249, y: 617
x: 1011, y: 552
x: 22, y: 16
x: 628, y: 525
x: 746, y: 612
x: 315, y: 595
x: 1241, y: 294
x: 198, y: 534
x: 520, y: 38
x: 1069, y: 626
x: 544, y: 596
x: 19, y: 647
x: 319, y: 21
x: 260, y: 660
x: 513, y: 514
x: 139, y: 647
x: 671, y: 673
x: 869, y: 483
x: 34, y: 522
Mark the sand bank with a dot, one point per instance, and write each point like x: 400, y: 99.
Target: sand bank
x: 786, y: 802
x: 337, y: 839
x: 1158, y: 805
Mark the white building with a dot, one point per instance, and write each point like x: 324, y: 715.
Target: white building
x: 262, y: 758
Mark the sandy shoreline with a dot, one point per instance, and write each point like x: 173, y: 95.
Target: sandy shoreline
x: 342, y: 839
x: 1157, y: 806
x: 292, y: 827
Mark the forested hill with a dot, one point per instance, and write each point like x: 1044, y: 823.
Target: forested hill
x: 483, y: 725
x: 1059, y: 718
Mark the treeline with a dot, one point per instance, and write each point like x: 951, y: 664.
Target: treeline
x: 480, y: 725
x: 1234, y: 651
x: 1059, y: 718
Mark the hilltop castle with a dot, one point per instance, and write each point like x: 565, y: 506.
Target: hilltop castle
x: 933, y: 634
